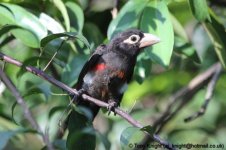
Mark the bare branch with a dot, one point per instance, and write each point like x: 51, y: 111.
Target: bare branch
x: 69, y: 90
x: 208, y: 97
x: 184, y: 95
x: 26, y: 111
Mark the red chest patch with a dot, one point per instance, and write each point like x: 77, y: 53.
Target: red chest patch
x: 99, y: 67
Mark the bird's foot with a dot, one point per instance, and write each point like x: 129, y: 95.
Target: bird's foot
x: 111, y: 106
x: 76, y: 97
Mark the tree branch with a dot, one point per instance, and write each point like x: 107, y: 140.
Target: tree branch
x: 69, y: 90
x: 26, y: 111
x: 208, y: 96
x: 183, y: 96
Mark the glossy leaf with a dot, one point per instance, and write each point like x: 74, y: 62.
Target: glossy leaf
x: 69, y: 35
x: 60, y: 5
x: 156, y: 19
x: 5, y: 136
x: 51, y: 24
x: 72, y: 70
x: 31, y: 28
x: 130, y: 136
x: 76, y: 16
x: 200, y: 9
x: 148, y: 129
x: 127, y: 17
x: 12, y: 112
x: 178, y: 28
x: 55, y: 109
x: 32, y: 91
x: 217, y: 34
x: 6, y: 28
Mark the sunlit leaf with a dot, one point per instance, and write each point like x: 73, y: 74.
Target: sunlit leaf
x: 217, y: 34
x: 31, y: 28
x: 51, y: 24
x: 76, y: 15
x: 60, y: 5
x: 6, y: 28
x: 130, y: 136
x: 69, y: 35
x: 127, y: 17
x: 156, y: 19
x: 178, y: 28
x: 200, y: 9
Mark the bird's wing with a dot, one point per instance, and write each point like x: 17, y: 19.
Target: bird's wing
x: 130, y: 71
x: 100, y: 50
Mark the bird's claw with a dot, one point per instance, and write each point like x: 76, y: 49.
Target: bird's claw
x: 111, y: 106
x: 78, y: 95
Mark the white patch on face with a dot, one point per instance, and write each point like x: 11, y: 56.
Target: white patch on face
x: 88, y: 79
x: 123, y: 88
x: 132, y: 39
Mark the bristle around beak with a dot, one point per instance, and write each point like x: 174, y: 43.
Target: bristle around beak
x: 148, y: 40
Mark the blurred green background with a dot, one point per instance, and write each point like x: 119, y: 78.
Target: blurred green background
x: 193, y: 37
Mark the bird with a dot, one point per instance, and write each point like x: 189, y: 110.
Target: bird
x: 107, y: 73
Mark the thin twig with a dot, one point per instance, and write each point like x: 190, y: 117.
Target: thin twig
x: 208, y: 96
x: 54, y: 55
x: 69, y: 90
x: 184, y: 95
x: 26, y: 111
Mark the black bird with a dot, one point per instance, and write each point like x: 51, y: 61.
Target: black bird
x: 110, y: 68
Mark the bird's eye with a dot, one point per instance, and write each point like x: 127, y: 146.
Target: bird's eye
x: 132, y: 39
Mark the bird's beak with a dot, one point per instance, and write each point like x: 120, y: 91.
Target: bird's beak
x: 148, y: 40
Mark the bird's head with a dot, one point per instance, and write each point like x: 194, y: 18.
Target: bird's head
x: 132, y: 41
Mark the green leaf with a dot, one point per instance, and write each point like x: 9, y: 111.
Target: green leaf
x: 93, y: 34
x: 32, y: 29
x: 7, y: 16
x: 128, y: 17
x: 5, y: 136
x: 178, y: 28
x: 156, y: 19
x: 199, y: 9
x: 130, y: 136
x: 76, y: 16
x: 69, y: 35
x: 30, y: 40
x: 148, y: 129
x: 12, y: 112
x: 104, y: 140
x: 60, y: 5
x: 80, y: 128
x: 217, y: 34
x: 31, y: 91
x: 60, y: 144
x: 55, y: 109
x: 50, y: 23
x: 72, y: 70
x: 32, y: 61
x: 6, y: 28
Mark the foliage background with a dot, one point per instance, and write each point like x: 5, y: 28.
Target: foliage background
x: 193, y: 38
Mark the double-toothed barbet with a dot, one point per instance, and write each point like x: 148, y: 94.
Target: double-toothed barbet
x: 108, y: 71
